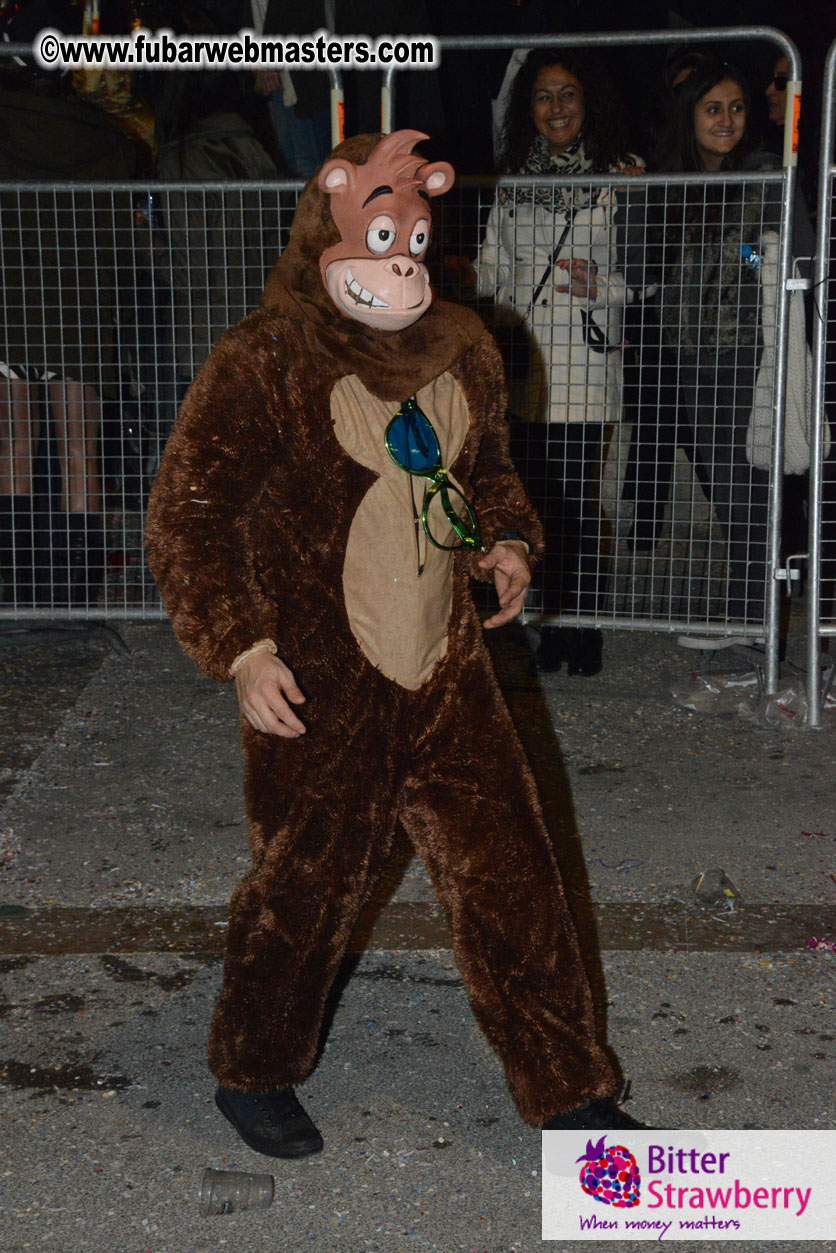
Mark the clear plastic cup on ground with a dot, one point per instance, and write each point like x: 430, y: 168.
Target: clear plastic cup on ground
x: 228, y: 1191
x: 714, y: 889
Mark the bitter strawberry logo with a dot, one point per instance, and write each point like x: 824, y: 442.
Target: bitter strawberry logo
x: 610, y: 1175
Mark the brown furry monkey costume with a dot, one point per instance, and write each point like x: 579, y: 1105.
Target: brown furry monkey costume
x: 278, y: 519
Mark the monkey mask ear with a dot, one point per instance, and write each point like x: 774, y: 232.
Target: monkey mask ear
x: 392, y: 162
x: 437, y: 178
x: 336, y: 177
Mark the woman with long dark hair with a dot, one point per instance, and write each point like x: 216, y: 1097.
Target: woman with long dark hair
x: 549, y: 261
x: 716, y: 239
x: 709, y: 127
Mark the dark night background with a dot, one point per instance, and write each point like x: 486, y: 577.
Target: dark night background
x: 455, y: 104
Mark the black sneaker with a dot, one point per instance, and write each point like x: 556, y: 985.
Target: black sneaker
x: 272, y: 1123
x: 601, y: 1114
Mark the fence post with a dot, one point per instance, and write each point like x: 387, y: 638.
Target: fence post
x: 818, y: 416
x: 337, y: 105
x: 790, y: 160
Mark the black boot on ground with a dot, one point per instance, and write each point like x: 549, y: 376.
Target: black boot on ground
x: 601, y: 1114
x: 584, y: 650
x: 551, y: 650
x: 272, y: 1123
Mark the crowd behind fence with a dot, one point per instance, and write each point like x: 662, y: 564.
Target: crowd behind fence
x: 672, y: 531
x: 668, y: 526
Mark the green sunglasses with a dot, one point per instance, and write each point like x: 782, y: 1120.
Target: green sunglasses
x: 413, y: 445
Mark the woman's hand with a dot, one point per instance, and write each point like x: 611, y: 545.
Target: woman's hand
x: 582, y: 280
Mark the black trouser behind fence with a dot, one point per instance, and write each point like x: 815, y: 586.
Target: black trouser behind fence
x: 560, y: 464
x: 701, y: 402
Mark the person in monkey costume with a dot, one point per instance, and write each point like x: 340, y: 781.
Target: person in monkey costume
x: 309, y: 541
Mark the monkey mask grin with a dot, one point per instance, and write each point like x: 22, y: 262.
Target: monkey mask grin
x: 376, y: 274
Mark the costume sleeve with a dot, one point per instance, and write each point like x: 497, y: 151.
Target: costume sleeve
x: 223, y: 445
x: 500, y: 498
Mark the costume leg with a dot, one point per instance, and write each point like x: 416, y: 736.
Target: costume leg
x: 471, y: 809
x: 321, y: 821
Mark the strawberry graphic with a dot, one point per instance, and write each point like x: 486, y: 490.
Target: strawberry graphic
x: 610, y: 1175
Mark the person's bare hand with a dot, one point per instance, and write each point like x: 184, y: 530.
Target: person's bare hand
x: 581, y: 280
x: 264, y: 685
x: 508, y: 560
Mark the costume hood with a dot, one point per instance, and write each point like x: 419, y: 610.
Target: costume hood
x: 391, y: 364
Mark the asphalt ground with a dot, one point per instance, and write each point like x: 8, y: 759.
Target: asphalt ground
x: 122, y: 835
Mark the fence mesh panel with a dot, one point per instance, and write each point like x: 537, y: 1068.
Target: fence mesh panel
x: 110, y: 300
x: 630, y: 399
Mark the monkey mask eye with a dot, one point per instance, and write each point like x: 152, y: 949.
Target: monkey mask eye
x: 381, y: 234
x: 419, y: 238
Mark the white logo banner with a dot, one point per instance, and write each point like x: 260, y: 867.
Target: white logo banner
x: 689, y: 1185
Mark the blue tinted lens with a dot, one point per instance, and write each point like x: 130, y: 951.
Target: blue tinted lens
x: 412, y: 441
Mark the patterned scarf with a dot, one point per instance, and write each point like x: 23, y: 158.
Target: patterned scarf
x: 540, y: 160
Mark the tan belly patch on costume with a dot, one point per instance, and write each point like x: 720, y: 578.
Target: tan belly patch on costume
x: 398, y: 616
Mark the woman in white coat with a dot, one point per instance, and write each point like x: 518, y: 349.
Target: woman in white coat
x: 549, y: 260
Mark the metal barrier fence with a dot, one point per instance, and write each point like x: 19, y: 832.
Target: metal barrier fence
x: 116, y: 292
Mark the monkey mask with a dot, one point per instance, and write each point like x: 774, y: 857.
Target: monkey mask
x: 337, y: 280
x: 382, y: 210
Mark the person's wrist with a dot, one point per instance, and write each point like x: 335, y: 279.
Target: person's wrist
x: 514, y: 537
x: 251, y: 664
x: 260, y: 648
